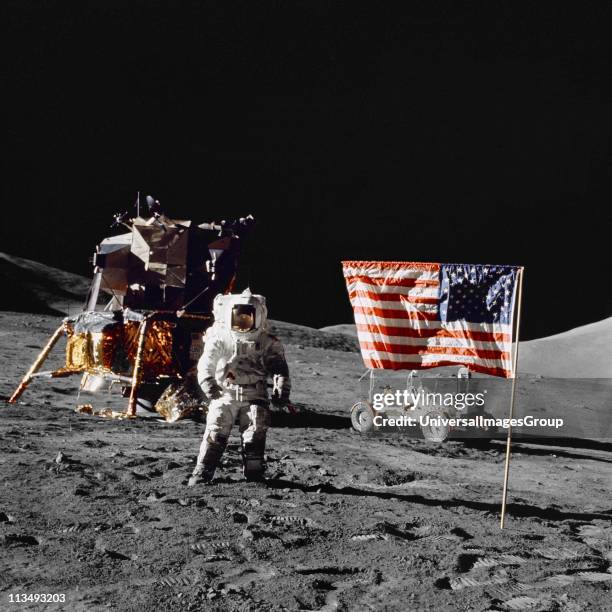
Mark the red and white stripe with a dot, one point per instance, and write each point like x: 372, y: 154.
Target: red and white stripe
x: 396, y: 311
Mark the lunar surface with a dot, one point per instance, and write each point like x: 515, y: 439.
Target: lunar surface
x: 98, y: 510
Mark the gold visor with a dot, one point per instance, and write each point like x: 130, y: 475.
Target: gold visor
x: 243, y: 318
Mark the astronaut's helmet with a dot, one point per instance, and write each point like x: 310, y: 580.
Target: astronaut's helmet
x: 244, y: 315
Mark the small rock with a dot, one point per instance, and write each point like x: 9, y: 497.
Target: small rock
x: 248, y: 534
x: 155, y: 496
x: 60, y: 458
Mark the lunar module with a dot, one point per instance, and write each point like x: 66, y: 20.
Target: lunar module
x: 149, y: 304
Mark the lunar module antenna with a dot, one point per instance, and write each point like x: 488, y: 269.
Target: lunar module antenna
x: 121, y: 219
x: 236, y: 227
x: 155, y: 210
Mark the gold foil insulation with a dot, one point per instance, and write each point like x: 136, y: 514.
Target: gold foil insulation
x: 113, y: 350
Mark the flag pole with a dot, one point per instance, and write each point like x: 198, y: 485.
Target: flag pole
x: 512, y: 396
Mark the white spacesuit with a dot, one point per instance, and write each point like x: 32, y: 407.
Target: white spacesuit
x: 239, y: 356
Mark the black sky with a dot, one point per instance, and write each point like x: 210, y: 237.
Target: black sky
x: 350, y: 130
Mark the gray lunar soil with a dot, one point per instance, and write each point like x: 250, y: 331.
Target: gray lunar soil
x: 98, y: 509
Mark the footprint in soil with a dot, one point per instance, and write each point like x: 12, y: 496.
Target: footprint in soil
x: 597, y: 536
x: 75, y: 528
x: 334, y: 570
x: 466, y: 581
x: 425, y: 532
x: 178, y: 581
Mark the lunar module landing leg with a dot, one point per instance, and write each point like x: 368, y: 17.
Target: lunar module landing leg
x: 34, y: 370
x: 35, y: 367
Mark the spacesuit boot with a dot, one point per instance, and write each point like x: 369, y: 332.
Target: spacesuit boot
x: 209, y: 458
x: 253, y: 465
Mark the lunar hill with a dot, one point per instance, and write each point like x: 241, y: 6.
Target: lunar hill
x: 34, y: 287
x: 30, y: 286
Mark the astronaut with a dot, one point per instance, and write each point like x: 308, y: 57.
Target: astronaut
x: 239, y: 356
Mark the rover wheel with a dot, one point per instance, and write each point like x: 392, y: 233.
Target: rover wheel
x: 433, y: 431
x: 362, y: 417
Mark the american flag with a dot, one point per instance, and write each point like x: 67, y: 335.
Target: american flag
x: 424, y: 315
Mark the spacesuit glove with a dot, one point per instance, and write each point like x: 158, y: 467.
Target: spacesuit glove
x: 211, y: 389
